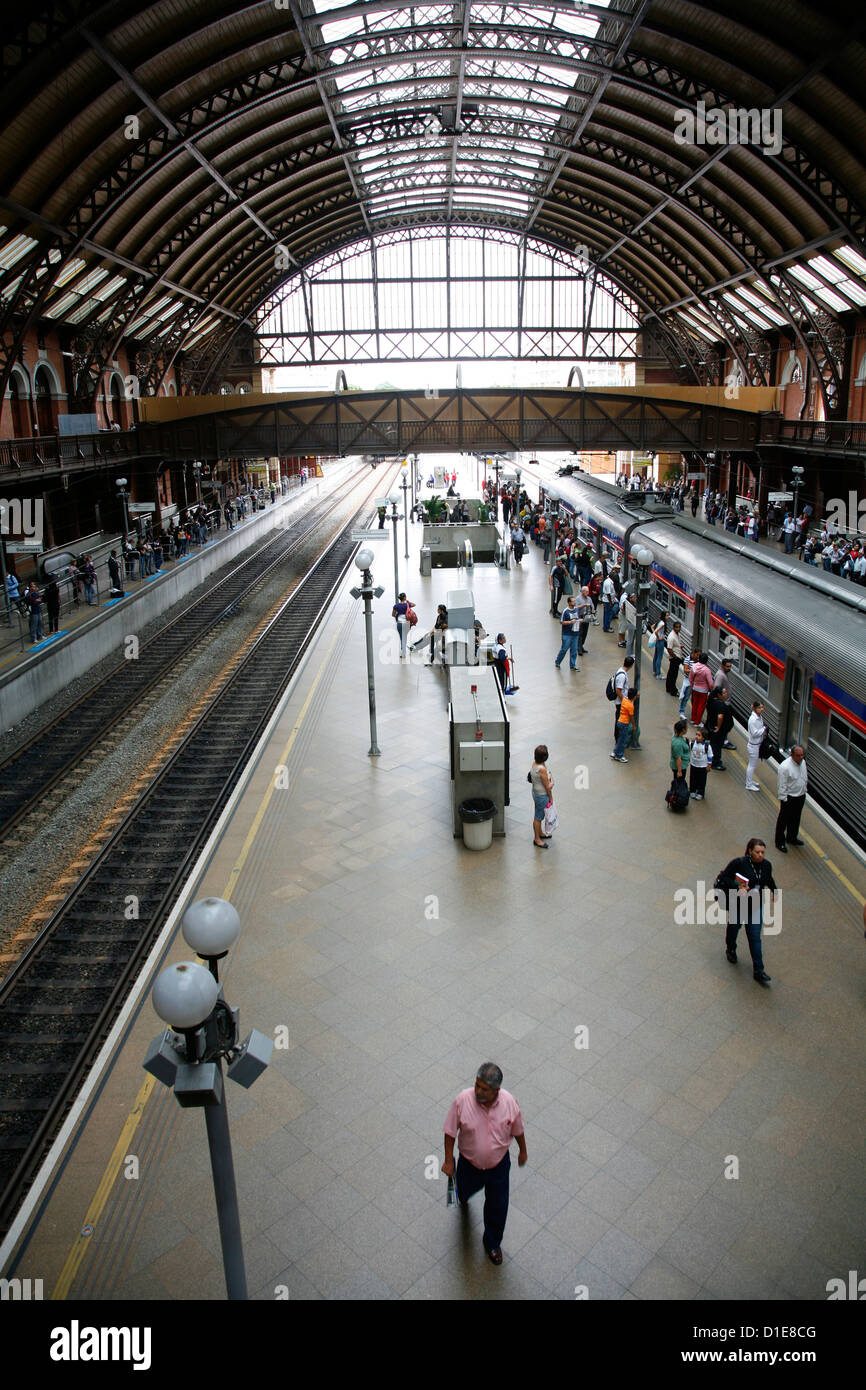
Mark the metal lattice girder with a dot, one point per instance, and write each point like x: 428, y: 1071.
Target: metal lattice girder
x: 825, y: 355
x: 402, y: 421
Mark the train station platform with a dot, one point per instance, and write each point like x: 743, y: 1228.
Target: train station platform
x: 31, y: 674
x: 690, y: 1134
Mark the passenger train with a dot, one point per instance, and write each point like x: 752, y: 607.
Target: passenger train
x: 796, y: 635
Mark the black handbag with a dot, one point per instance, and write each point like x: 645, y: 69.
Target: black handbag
x: 767, y: 749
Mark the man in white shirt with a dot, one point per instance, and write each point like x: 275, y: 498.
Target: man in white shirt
x: 583, y: 603
x: 675, y: 657
x: 793, y: 779
x: 757, y: 730
x: 608, y: 598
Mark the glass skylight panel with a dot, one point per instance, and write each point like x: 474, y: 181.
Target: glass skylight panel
x: 14, y: 250
x: 805, y: 276
x: 854, y: 289
x: 57, y: 310
x: 828, y: 297
x: 84, y: 308
x: 105, y: 291
x: 852, y: 258
x: 68, y: 271
x: 827, y: 268
x: 94, y: 278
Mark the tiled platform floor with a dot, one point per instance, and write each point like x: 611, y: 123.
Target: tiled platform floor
x: 398, y: 961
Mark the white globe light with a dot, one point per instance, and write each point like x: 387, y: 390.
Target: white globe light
x: 364, y: 559
x: 644, y: 556
x: 553, y: 497
x: 394, y: 497
x: 184, y: 994
x: 211, y: 926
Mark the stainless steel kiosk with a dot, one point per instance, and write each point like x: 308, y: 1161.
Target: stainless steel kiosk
x: 479, y: 732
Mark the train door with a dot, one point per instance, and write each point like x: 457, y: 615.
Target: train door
x: 798, y: 708
x: 699, y: 641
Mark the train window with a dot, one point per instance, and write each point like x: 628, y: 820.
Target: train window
x: 729, y: 648
x: 756, y: 670
x: 796, y: 685
x: 848, y: 743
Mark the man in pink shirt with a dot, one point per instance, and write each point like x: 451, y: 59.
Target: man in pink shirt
x: 487, y: 1119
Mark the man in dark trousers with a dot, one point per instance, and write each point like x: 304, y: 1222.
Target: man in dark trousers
x: 114, y: 573
x: 743, y: 882
x: 486, y: 1119
x: 793, y: 779
x: 718, y: 719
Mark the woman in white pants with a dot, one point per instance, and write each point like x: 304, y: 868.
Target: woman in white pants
x: 757, y: 733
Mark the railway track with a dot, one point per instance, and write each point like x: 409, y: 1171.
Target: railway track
x: 59, y: 1003
x: 45, y: 760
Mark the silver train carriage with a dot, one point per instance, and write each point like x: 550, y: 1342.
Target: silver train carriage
x: 796, y: 635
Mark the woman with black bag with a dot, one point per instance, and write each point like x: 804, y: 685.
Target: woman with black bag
x: 743, y: 882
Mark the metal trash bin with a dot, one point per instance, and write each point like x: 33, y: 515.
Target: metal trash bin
x: 426, y: 562
x: 477, y: 815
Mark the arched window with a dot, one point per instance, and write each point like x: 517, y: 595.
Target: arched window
x: 44, y: 403
x: 860, y: 378
x: 116, y: 410
x: 792, y: 372
x: 18, y: 402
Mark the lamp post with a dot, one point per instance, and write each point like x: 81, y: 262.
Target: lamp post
x: 394, y: 498
x: 6, y: 600
x: 364, y: 560
x: 496, y: 467
x: 196, y: 468
x: 120, y: 484
x: 404, y: 485
x: 188, y: 1056
x: 643, y: 559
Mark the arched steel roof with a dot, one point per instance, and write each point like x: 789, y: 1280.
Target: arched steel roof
x: 165, y: 166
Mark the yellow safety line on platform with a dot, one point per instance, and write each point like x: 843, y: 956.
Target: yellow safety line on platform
x: 94, y: 1211
x: 813, y: 845
x: 121, y: 1148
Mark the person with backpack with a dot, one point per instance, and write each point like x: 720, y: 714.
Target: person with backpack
x: 616, y: 688
x: 400, y: 612
x: 677, y: 797
x: 743, y: 882
x: 626, y: 726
